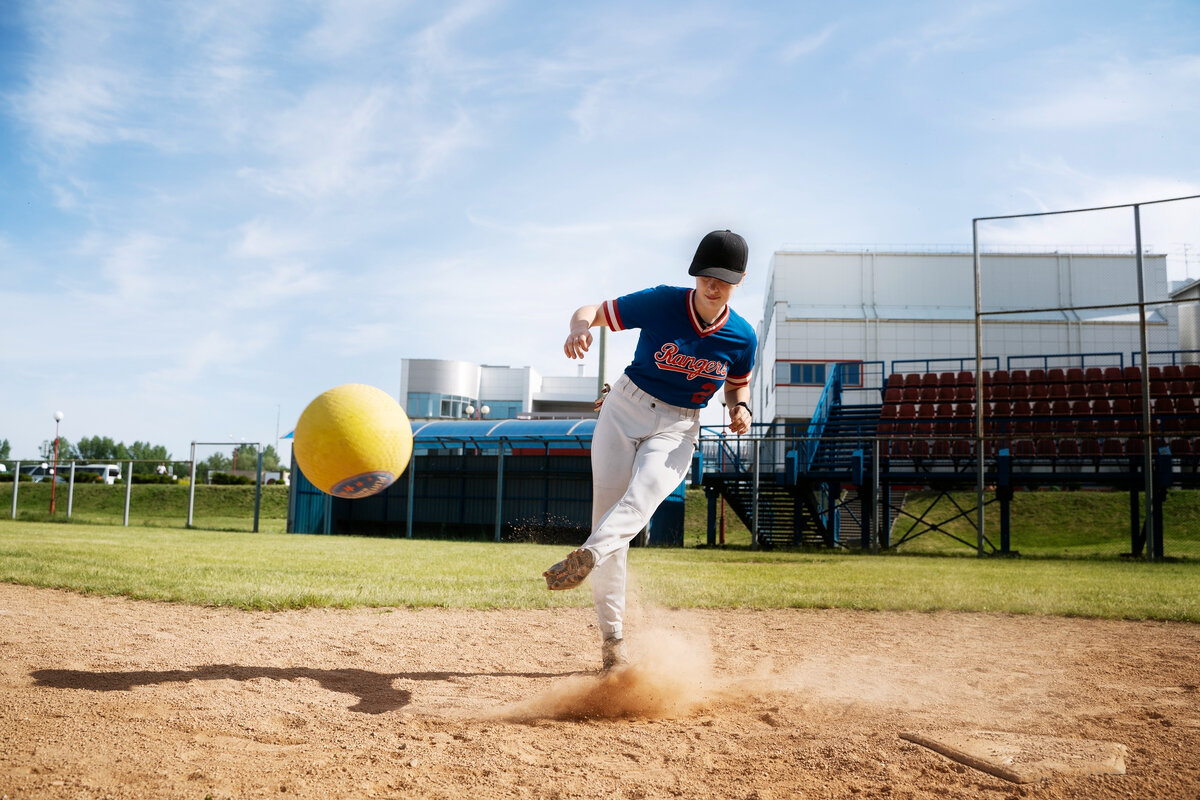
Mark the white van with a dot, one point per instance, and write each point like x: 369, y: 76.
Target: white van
x: 87, y: 472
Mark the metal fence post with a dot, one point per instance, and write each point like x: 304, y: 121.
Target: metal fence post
x: 128, y: 491
x: 16, y: 484
x: 258, y: 490
x: 412, y: 486
x: 499, y: 488
x: 71, y: 490
x: 754, y: 501
x: 192, y: 488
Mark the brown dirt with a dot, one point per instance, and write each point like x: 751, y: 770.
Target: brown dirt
x: 111, y: 698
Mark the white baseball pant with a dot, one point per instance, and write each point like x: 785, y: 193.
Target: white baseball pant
x: 641, y: 451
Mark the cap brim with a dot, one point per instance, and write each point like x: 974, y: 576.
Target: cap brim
x: 727, y: 275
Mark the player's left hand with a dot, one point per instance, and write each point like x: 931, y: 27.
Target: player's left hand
x: 600, y: 400
x: 739, y: 420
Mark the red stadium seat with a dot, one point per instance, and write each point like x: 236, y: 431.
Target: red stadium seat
x: 1096, y: 374
x: 1019, y: 376
x: 1081, y: 408
x: 929, y: 379
x: 911, y: 394
x: 1058, y: 390
x: 1056, y: 375
x: 1155, y: 372
x: 893, y: 395
x: 1191, y: 372
x: 1037, y: 375
x: 965, y: 393
x: 929, y: 394
x: 1100, y: 406
x: 1019, y: 391
x: 965, y: 378
x: 1172, y: 372
x: 912, y: 379
x: 1178, y: 387
x: 1132, y: 374
x: 947, y: 379
x: 1000, y: 376
x: 1113, y: 374
x: 895, y: 380
x: 945, y: 393
x: 1000, y: 391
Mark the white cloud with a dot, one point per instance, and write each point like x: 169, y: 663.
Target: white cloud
x: 807, y: 45
x: 1120, y: 92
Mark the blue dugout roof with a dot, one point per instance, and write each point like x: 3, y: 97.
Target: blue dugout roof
x: 489, y: 433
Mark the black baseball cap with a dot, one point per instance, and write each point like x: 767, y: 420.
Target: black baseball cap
x: 721, y: 255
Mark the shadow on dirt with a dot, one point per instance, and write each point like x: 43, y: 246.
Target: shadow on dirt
x: 375, y: 690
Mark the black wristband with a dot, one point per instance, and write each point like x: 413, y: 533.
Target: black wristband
x: 746, y: 406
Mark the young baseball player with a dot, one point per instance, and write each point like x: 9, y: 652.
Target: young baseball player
x: 692, y: 343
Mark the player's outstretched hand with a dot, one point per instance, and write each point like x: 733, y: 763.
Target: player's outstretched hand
x: 739, y: 420
x: 578, y: 343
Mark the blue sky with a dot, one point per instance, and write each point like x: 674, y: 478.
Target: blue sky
x: 211, y: 211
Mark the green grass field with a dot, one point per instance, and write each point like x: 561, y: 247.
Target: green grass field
x: 277, y: 571
x: 1073, y: 536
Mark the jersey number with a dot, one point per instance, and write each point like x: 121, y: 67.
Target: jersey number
x: 706, y: 391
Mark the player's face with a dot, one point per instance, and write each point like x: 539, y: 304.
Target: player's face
x: 714, y: 291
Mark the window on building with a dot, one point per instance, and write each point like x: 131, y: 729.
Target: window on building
x: 429, y: 405
x: 815, y: 373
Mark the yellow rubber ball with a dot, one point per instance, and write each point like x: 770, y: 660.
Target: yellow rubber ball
x: 353, y: 441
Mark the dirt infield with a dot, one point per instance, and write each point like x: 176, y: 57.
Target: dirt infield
x: 110, y: 698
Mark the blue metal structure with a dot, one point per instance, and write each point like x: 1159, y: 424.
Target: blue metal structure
x: 513, y: 479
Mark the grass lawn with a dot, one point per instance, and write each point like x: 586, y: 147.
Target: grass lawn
x: 277, y: 571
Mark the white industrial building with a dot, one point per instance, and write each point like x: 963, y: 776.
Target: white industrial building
x: 432, y: 388
x: 877, y: 308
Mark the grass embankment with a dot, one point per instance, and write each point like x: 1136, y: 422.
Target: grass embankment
x: 161, y: 505
x: 278, y: 571
x: 1051, y: 523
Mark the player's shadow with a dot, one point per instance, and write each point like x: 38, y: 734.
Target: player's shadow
x: 375, y: 691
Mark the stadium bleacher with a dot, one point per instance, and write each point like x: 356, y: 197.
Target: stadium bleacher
x: 1076, y: 413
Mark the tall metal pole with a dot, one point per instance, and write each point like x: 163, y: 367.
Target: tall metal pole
x: 979, y: 455
x: 58, y: 415
x: 602, y: 357
x: 1148, y: 442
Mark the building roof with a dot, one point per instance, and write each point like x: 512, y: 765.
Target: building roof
x: 488, y: 434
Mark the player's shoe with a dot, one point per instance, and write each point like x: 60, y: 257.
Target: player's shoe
x: 612, y: 654
x: 570, y: 572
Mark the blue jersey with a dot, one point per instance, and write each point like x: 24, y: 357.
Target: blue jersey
x: 678, y: 359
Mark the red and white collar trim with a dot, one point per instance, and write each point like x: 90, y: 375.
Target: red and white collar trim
x: 714, y: 326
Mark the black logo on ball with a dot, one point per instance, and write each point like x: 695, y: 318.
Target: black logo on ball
x: 364, y: 485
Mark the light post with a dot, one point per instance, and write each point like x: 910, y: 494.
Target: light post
x: 58, y: 415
